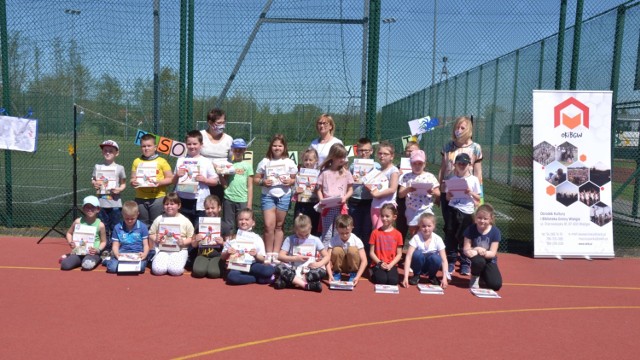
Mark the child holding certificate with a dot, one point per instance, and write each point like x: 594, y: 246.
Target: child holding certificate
x: 463, y: 194
x: 275, y: 173
x: 194, y: 174
x: 335, y: 182
x: 418, y: 187
x: 303, y: 258
x: 109, y: 180
x: 208, y: 242
x: 246, y: 254
x: 305, y: 196
x: 130, y: 239
x: 171, y: 233
x: 86, y: 238
x: 150, y: 175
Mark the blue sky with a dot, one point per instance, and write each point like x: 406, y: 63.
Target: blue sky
x: 293, y: 63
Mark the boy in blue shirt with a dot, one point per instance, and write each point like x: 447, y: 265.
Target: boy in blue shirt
x: 129, y: 236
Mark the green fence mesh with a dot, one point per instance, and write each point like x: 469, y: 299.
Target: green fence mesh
x: 275, y: 65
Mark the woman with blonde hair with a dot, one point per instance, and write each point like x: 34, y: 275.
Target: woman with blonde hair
x: 325, y: 126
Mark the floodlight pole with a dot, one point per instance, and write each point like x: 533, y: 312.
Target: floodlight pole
x: 74, y: 13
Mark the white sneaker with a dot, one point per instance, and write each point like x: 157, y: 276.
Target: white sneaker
x: 448, y: 275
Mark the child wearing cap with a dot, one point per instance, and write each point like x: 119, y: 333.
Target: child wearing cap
x: 90, y: 258
x: 461, y: 204
x: 418, y: 188
x: 238, y: 192
x: 193, y: 177
x: 109, y: 180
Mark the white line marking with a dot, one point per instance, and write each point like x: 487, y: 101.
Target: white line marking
x: 58, y: 196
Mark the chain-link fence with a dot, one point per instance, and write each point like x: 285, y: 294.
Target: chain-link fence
x: 498, y: 96
x: 274, y: 66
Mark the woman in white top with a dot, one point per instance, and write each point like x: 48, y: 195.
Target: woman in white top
x: 215, y: 143
x: 325, y: 126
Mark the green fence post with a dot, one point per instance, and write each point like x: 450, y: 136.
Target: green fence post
x: 575, y: 54
x: 493, y: 119
x: 372, y: 66
x: 541, y: 64
x: 513, y: 117
x: 6, y: 100
x: 560, y: 52
x: 466, y: 93
x: 183, y: 63
x: 615, y: 81
x: 455, y: 95
x: 182, y: 130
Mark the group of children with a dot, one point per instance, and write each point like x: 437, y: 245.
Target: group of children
x: 343, y: 222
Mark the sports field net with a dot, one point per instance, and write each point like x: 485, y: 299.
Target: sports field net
x: 302, y: 59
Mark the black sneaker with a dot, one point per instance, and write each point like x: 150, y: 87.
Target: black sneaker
x: 414, y: 280
x: 314, y: 286
x: 279, y: 284
x: 434, y: 281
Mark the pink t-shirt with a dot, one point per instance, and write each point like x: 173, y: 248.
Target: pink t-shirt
x: 333, y: 183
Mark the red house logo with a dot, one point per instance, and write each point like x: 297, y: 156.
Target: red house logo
x: 571, y: 113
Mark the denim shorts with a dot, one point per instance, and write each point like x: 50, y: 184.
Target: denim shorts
x: 282, y: 203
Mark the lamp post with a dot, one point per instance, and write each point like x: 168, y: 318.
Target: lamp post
x: 74, y: 13
x: 388, y: 21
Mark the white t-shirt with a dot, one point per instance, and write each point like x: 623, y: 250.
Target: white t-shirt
x: 391, y: 198
x: 323, y: 149
x: 290, y: 168
x: 466, y: 205
x: 206, y: 169
x: 418, y: 201
x: 435, y: 245
x: 219, y: 150
x: 255, y: 238
x: 353, y: 241
x: 294, y: 241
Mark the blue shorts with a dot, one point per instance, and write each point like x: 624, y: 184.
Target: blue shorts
x: 282, y: 203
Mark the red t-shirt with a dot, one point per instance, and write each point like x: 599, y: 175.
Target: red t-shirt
x: 386, y: 244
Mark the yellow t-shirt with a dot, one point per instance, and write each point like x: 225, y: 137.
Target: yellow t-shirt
x: 152, y: 192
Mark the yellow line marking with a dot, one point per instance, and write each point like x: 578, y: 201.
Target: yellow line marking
x: 511, y: 284
x: 41, y: 268
x: 578, y: 286
x: 394, y: 321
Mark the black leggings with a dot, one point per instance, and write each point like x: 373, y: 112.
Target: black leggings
x: 487, y: 271
x: 384, y: 277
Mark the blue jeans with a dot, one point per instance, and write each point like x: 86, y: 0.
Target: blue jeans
x: 110, y: 217
x: 258, y: 272
x: 360, y: 211
x: 427, y: 264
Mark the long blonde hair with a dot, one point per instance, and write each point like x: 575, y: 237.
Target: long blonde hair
x: 468, y: 132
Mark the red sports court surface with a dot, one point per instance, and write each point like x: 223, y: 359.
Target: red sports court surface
x: 571, y: 309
